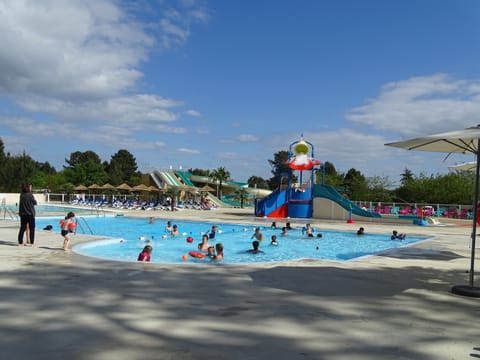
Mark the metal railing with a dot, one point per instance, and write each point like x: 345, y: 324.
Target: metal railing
x: 81, y: 222
x: 9, y: 214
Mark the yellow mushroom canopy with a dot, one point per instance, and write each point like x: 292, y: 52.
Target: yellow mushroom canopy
x: 301, y: 148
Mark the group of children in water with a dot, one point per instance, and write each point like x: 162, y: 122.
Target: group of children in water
x: 210, y: 251
x: 213, y: 252
x: 216, y: 252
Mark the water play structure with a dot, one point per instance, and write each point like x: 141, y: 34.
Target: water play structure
x: 301, y: 197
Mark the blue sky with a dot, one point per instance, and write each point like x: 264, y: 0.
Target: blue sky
x: 204, y: 84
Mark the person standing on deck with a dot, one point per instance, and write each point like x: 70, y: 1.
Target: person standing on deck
x: 26, y: 211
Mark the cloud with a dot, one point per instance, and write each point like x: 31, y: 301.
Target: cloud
x: 247, y: 138
x: 66, y: 49
x: 193, y: 113
x: 188, y: 151
x: 240, y: 138
x: 421, y: 105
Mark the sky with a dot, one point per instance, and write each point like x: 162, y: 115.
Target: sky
x: 214, y: 83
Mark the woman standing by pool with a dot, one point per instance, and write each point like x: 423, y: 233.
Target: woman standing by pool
x: 26, y: 210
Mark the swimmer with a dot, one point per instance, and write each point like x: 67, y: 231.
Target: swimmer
x: 204, y: 245
x: 274, y: 240
x: 361, y: 231
x: 211, y: 252
x: 219, y: 255
x: 213, y: 232
x: 257, y: 234
x: 308, y: 230
x: 273, y: 226
x: 168, y: 228
x: 284, y: 231
x: 145, y: 254
x: 175, y: 231
x: 397, y: 236
x: 151, y: 220
x: 255, y: 250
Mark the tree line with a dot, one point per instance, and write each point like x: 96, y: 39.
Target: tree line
x: 87, y: 168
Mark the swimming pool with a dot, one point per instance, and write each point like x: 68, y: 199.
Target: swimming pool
x: 130, y: 235
x: 52, y: 209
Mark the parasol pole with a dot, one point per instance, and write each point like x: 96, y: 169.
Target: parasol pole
x: 475, y: 210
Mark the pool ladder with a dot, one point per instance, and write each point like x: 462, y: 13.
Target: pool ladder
x: 81, y: 222
x: 9, y: 214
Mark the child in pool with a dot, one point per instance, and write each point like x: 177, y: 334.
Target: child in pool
x: 145, y: 254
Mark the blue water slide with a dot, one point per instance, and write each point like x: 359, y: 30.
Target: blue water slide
x: 185, y: 176
x: 270, y: 203
x: 328, y: 192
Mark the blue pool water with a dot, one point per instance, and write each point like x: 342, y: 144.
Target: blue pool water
x: 130, y: 235
x: 43, y: 209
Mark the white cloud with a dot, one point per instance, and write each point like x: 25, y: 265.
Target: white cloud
x: 247, y: 138
x: 421, y: 105
x: 188, y: 151
x: 66, y: 49
x: 193, y: 113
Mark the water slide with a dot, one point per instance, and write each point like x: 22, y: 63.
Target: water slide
x: 168, y: 178
x: 185, y: 176
x: 276, y: 204
x: 328, y: 192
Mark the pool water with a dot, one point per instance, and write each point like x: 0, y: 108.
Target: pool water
x: 128, y: 236
x: 45, y: 209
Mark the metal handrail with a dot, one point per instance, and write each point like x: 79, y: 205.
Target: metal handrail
x: 79, y: 223
x: 10, y: 213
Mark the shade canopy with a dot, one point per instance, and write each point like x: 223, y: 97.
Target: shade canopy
x: 107, y: 186
x: 141, y: 187
x: 460, y: 141
x: 464, y: 141
x: 124, y: 186
x: 468, y: 166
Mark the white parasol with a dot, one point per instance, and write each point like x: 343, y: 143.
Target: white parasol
x: 466, y: 141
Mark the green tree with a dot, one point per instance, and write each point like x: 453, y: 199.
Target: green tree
x: 85, y: 168
x: 355, y: 184
x: 257, y: 182
x: 332, y: 177
x: 220, y: 175
x: 379, y: 189
x: 24, y: 168
x: 407, y: 175
x: 241, y: 194
x: 201, y: 172
x: 174, y: 193
x: 280, y: 169
x: 122, y: 167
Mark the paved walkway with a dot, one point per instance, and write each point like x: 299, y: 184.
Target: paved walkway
x: 57, y: 305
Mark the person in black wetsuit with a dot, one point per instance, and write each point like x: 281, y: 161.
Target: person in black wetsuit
x: 26, y: 210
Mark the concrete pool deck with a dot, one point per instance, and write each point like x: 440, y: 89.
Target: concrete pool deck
x: 395, y: 305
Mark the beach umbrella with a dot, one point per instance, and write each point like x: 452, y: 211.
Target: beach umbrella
x: 94, y: 187
x: 80, y: 188
x: 152, y: 188
x: 141, y: 187
x: 466, y: 141
x: 107, y: 186
x: 468, y: 166
x: 124, y: 186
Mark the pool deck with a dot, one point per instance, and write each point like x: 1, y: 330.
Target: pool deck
x: 395, y: 305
